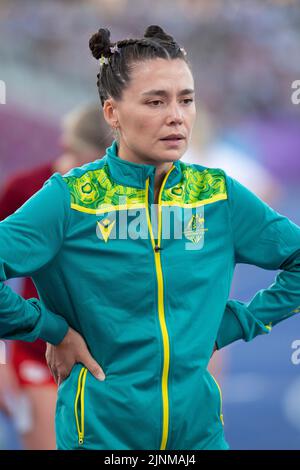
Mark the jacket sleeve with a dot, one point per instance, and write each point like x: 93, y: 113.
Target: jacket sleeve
x: 265, y: 238
x: 30, y: 238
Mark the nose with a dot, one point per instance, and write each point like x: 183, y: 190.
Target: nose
x: 175, y: 114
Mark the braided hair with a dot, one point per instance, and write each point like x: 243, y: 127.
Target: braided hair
x: 114, y: 73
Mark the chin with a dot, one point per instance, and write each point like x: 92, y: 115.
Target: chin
x: 173, y: 154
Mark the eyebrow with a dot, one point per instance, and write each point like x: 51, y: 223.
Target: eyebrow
x: 186, y: 91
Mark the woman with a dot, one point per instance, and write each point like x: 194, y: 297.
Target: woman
x: 137, y: 290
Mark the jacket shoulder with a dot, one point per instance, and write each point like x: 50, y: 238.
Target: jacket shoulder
x: 87, y: 184
x: 204, y: 183
x: 87, y: 170
x: 202, y: 170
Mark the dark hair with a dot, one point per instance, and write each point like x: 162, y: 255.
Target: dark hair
x: 115, y: 76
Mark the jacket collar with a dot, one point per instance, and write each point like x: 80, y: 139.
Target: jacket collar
x: 132, y: 174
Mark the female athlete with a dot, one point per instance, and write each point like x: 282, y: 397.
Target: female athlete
x: 133, y: 257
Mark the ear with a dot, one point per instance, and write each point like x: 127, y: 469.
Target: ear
x: 110, y: 112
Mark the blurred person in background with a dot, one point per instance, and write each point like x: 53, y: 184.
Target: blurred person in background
x: 27, y: 388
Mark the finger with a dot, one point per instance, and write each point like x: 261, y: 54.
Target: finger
x: 51, y: 369
x: 49, y: 365
x: 63, y: 376
x: 48, y: 352
x: 93, y: 367
x: 55, y: 375
x: 60, y: 379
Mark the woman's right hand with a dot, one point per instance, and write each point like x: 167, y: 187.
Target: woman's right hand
x: 61, y: 358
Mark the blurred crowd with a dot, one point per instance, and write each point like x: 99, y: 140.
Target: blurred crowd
x: 244, y: 53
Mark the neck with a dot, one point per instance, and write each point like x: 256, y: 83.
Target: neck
x: 161, y: 167
x: 160, y: 173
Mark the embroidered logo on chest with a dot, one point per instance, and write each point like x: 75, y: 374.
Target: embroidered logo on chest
x: 194, y: 231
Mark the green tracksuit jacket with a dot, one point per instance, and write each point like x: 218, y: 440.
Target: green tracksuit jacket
x: 148, y: 290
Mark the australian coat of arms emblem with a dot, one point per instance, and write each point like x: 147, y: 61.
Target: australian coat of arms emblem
x: 194, y: 231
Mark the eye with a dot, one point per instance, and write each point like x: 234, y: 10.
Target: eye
x: 189, y: 100
x: 156, y: 101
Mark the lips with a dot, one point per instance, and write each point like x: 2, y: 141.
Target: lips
x: 173, y: 137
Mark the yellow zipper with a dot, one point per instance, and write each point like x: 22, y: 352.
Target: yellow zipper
x: 161, y: 312
x: 221, y: 399
x: 80, y: 398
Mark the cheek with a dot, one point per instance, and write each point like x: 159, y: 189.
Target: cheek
x: 191, y: 117
x: 144, y: 123
x: 137, y: 121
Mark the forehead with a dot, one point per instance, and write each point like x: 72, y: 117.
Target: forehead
x: 161, y: 74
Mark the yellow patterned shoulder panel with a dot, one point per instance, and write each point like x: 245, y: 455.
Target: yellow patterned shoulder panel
x: 196, y: 187
x: 94, y: 188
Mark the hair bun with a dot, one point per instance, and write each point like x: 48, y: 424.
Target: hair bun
x: 155, y: 31
x: 100, y: 43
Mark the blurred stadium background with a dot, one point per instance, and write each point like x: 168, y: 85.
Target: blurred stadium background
x: 245, y: 57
